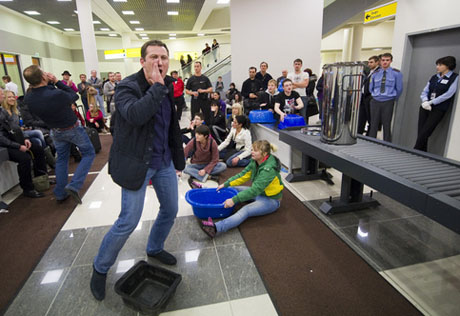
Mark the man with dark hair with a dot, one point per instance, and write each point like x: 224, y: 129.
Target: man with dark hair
x: 53, y: 106
x: 385, y: 87
x: 146, y: 112
x: 364, y: 115
x: 204, y: 160
x: 250, y: 89
x: 10, y: 85
x: 83, y: 87
x: 179, y: 100
x: 198, y: 87
x: 263, y: 75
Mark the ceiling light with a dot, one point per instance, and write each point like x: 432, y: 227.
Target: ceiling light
x: 111, y: 34
x: 120, y: 0
x: 64, y: 0
x: 104, y: 29
x: 172, y: 37
x: 53, y: 22
x: 144, y: 38
x: 200, y: 34
x: 172, y: 1
x: 76, y: 12
x: 142, y: 34
x: 128, y: 12
x: 134, y: 22
x: 139, y: 29
x: 172, y: 34
x: 6, y: 0
x: 69, y: 29
x: 96, y: 22
x: 32, y: 12
x: 223, y: 1
x: 173, y: 13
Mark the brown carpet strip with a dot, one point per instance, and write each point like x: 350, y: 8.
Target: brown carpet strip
x: 308, y: 270
x: 30, y: 227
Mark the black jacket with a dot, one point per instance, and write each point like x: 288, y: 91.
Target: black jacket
x: 131, y: 151
x: 251, y: 86
x: 30, y: 119
x: 6, y: 126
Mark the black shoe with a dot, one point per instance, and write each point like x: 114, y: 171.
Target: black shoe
x: 214, y: 178
x: 97, y: 285
x: 164, y: 257
x: 74, y: 195
x: 33, y: 194
x: 63, y: 200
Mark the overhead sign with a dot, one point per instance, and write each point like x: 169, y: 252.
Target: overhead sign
x: 114, y: 54
x: 133, y: 52
x: 381, y: 12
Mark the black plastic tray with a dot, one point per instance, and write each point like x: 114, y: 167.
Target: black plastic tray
x: 147, y: 288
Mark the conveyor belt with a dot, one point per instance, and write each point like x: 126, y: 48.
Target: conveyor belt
x: 427, y: 183
x: 435, y: 175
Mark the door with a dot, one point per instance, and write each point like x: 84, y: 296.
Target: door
x: 422, y: 51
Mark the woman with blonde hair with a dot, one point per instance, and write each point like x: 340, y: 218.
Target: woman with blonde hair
x: 95, y: 118
x: 264, y: 194
x: 237, y: 109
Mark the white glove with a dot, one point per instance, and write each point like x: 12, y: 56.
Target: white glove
x: 427, y: 105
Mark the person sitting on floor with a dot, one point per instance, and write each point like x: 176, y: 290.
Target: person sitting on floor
x: 237, y: 109
x: 197, y: 120
x: 265, y: 192
x: 95, y: 118
x: 217, y: 123
x: 222, y: 104
x: 236, y: 148
x: 204, y: 157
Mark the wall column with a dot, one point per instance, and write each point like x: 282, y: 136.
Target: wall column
x: 254, y: 40
x: 126, y: 42
x: 347, y: 38
x: 88, y: 39
x: 357, y: 42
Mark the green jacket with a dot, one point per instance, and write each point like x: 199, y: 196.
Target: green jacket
x: 266, y: 180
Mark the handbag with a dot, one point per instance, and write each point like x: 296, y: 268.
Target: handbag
x: 41, y: 183
x: 16, y: 135
x: 230, y: 150
x: 312, y: 106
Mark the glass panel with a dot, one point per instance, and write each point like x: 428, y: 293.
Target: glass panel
x: 2, y: 71
x: 12, y: 69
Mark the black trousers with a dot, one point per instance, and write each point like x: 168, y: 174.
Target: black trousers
x: 179, y: 102
x: 203, y: 106
x: 364, y: 115
x: 427, y: 122
x: 381, y: 113
x: 24, y: 168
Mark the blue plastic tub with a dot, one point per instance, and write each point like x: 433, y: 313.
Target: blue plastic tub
x: 261, y: 116
x: 292, y: 120
x: 210, y: 202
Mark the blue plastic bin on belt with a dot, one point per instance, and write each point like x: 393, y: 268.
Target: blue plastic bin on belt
x: 261, y: 116
x: 210, y: 202
x: 292, y: 120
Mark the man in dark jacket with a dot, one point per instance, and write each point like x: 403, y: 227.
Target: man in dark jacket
x: 146, y: 146
x: 250, y: 91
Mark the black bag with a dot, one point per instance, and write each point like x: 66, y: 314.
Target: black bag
x: 94, y: 138
x: 16, y: 135
x: 230, y: 150
x: 312, y: 106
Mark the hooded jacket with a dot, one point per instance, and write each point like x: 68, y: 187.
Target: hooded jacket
x: 266, y: 180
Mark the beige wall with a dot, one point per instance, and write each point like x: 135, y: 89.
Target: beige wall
x: 424, y: 15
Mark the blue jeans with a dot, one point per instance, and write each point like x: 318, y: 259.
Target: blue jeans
x: 241, y: 163
x: 36, y: 136
x: 132, y: 203
x: 100, y: 101
x: 193, y: 168
x: 63, y: 140
x: 261, y: 205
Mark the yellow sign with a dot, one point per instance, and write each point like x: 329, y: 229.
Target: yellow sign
x: 381, y: 12
x: 114, y: 53
x: 133, y: 52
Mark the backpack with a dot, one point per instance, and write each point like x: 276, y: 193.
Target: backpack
x: 192, y: 152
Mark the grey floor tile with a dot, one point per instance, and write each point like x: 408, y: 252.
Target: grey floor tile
x: 37, y: 293
x: 134, y: 246
x: 230, y: 237
x: 186, y: 234
x: 240, y: 273
x: 202, y: 281
x: 63, y: 250
x: 75, y: 297
x: 388, y: 244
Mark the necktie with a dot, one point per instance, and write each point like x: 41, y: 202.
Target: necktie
x: 382, y: 85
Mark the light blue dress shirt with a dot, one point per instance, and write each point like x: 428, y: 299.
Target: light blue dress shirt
x: 443, y: 97
x: 393, y: 85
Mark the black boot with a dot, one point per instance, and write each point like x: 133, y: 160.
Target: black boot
x: 98, y: 285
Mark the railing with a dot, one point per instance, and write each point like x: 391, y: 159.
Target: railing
x: 208, y: 61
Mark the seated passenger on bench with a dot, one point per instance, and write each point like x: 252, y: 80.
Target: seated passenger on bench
x: 264, y: 194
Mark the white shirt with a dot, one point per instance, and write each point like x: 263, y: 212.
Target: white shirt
x: 242, y: 140
x: 11, y: 86
x: 298, y: 78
